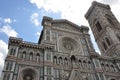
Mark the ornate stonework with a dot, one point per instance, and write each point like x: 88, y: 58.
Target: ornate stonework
x: 65, y: 52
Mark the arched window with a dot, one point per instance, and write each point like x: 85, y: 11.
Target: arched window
x: 65, y: 61
x: 104, y: 45
x: 38, y: 57
x: 85, y: 65
x: 102, y: 65
x: 107, y: 67
x: 60, y: 60
x: 73, y: 58
x: 41, y: 56
x: 24, y: 55
x: 11, y: 51
x: 80, y: 63
x: 112, y: 67
x: 55, y: 60
x: 14, y: 51
x: 98, y: 26
x: 31, y: 56
x: 108, y: 41
x: 89, y: 64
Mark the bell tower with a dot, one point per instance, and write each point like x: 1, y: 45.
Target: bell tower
x: 105, y: 28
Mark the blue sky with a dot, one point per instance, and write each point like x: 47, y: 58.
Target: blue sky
x: 22, y: 18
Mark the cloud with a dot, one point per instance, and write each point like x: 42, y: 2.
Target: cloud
x: 3, y: 53
x: 74, y: 10
x: 7, y: 20
x: 6, y: 29
x: 38, y: 34
x: 38, y: 3
x: 34, y: 19
x: 112, y: 2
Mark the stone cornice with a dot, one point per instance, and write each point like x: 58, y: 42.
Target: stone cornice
x: 94, y: 4
x: 49, y: 21
x: 19, y: 42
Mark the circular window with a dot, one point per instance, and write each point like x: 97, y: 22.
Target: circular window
x: 68, y: 44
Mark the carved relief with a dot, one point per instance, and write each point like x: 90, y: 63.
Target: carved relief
x: 66, y: 26
x: 69, y: 45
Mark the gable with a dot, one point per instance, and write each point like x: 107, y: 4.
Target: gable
x: 66, y: 25
x: 75, y: 75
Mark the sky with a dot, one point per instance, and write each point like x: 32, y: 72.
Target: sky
x: 22, y: 18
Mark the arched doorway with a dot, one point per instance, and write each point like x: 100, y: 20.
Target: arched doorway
x: 29, y: 74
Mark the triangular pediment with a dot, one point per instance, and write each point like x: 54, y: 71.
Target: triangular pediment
x: 65, y: 24
x: 75, y: 75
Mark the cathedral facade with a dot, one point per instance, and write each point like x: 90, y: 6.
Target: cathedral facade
x: 65, y: 52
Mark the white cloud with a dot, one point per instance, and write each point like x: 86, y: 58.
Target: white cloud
x: 39, y: 3
x: 6, y: 29
x: 114, y: 4
x: 3, y: 52
x: 7, y: 20
x: 34, y: 19
x: 37, y: 33
x: 110, y: 1
x: 74, y: 10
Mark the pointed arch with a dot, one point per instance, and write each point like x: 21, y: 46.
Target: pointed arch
x: 85, y: 64
x: 54, y: 59
x: 73, y: 58
x: 37, y: 57
x: 108, y: 41
x: 75, y: 75
x: 11, y: 51
x: 29, y: 73
x: 104, y: 45
x: 60, y: 60
x: 31, y: 56
x: 79, y: 61
x: 66, y: 61
x: 98, y: 26
x: 24, y: 55
x: 89, y: 62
